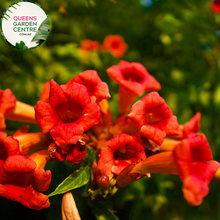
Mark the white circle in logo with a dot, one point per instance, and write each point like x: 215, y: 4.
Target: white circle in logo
x: 25, y: 25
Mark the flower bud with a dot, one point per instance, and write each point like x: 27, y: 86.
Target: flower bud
x: 94, y: 173
x: 69, y: 209
x: 102, y: 181
x: 112, y: 182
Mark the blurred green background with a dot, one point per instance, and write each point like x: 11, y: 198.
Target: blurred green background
x: 179, y: 44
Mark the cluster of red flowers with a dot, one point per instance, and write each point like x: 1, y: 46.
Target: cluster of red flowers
x: 114, y: 44
x: 145, y: 138
x: 22, y: 174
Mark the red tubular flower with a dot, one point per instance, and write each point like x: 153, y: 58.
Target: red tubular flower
x: 19, y: 179
x: 215, y: 6
x: 27, y: 196
x: 14, y: 110
x: 97, y: 89
x: 115, y: 45
x: 189, y: 129
x: 65, y: 134
x: 2, y: 122
x: 68, y: 114
x: 192, y: 127
x: 134, y: 77
x: 56, y: 152
x: 122, y: 125
x: 30, y: 142
x: 193, y: 158
x: 40, y: 158
x: 73, y: 153
x: 88, y: 51
x: 76, y: 153
x: 45, y: 94
x: 169, y: 144
x: 152, y: 116
x: 158, y: 163
x: 106, y: 162
x: 42, y: 179
x: 89, y: 45
x: 125, y: 177
x: 21, y: 112
x: 133, y: 80
x: 123, y: 150
x: 7, y: 102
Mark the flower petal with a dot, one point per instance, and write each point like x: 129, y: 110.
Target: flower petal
x: 192, y: 157
x: 28, y: 197
x: 3, y: 135
x: 7, y: 101
x: 57, y: 96
x: 11, y: 192
x: 106, y: 162
x: 46, y: 117
x: 194, y: 190
x: 121, y: 165
x: 90, y: 116
x: 68, y: 133
x: 16, y: 164
x: 193, y: 126
x: 34, y: 200
x: 79, y: 93
x: 45, y: 94
x: 153, y: 133
x: 137, y: 114
x: 12, y: 146
x: 2, y: 122
x: 42, y: 179
x: 19, y: 163
x: 76, y: 153
x: 153, y: 117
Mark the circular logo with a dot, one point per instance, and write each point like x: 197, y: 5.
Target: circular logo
x: 25, y: 25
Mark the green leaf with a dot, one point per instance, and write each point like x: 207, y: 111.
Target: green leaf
x: 75, y: 180
x: 21, y: 46
x: 43, y: 30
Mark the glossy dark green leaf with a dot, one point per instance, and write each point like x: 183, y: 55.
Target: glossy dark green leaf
x: 75, y: 180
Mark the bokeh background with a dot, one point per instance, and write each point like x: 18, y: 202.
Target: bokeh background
x: 179, y: 44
